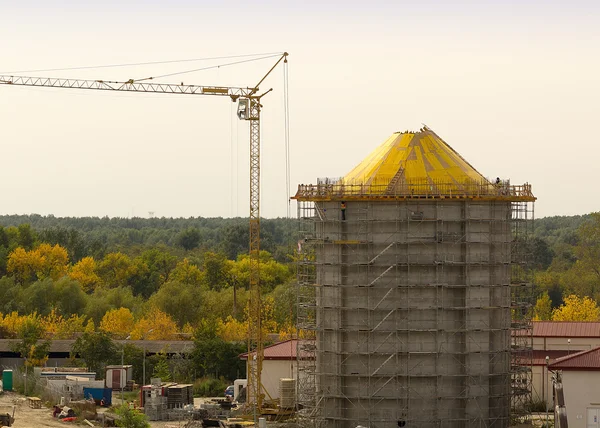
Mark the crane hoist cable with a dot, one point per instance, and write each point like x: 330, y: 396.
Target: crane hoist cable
x: 136, y: 64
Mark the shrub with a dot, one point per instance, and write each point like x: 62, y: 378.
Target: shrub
x: 209, y: 387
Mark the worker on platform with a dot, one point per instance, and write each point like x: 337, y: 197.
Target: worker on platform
x: 343, y: 209
x: 497, y: 181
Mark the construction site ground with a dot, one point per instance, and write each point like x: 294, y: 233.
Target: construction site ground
x: 26, y: 417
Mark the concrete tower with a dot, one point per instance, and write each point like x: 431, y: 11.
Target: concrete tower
x: 411, y: 292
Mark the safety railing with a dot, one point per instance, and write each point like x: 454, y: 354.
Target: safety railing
x: 415, y: 189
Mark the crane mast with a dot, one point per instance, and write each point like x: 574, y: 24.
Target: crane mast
x: 249, y: 108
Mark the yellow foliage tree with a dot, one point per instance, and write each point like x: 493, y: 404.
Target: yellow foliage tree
x: 577, y: 309
x: 155, y: 325
x: 85, y: 272
x: 115, y: 269
x: 20, y: 265
x: 58, y: 327
x: 52, y: 261
x: 232, y: 330
x: 11, y: 323
x: 46, y: 261
x: 118, y: 322
x: 90, y: 327
x: 186, y: 273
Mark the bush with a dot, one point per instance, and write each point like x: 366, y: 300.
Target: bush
x: 209, y: 387
x: 130, y: 418
x: 536, y: 406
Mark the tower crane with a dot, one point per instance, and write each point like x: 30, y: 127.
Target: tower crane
x: 249, y: 108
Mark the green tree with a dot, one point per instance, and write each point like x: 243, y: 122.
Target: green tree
x: 215, y: 269
x: 131, y: 418
x: 183, y: 302
x: 588, y: 255
x: 96, y: 349
x: 188, y: 238
x: 161, y: 368
x: 161, y: 262
x: 30, y: 344
x: 26, y: 236
x: 215, y: 357
x: 543, y: 308
x: 103, y: 300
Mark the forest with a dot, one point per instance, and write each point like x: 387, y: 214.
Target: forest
x: 175, y: 278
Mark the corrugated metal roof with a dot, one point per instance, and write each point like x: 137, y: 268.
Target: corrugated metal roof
x: 568, y: 329
x: 584, y: 360
x: 280, y: 351
x: 419, y: 157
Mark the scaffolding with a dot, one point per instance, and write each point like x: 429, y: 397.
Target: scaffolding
x: 413, y: 311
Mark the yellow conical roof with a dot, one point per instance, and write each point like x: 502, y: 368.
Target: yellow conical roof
x: 412, y: 165
x: 414, y: 157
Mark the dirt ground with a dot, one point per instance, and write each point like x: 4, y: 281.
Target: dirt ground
x: 26, y: 417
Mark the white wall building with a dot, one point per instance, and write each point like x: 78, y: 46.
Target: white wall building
x: 555, y: 339
x: 279, y: 363
x: 581, y: 377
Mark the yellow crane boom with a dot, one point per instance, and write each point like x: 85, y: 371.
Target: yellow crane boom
x: 249, y: 109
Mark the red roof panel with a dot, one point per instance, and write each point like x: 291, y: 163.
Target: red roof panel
x: 566, y: 329
x: 539, y: 356
x: 280, y: 351
x: 584, y: 360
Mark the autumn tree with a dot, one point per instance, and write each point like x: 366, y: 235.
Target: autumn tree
x: 232, y: 330
x: 115, y: 269
x: 118, y: 323
x: 85, y: 272
x: 44, y: 262
x: 30, y: 345
x: 21, y: 265
x: 53, y: 261
x: 155, y: 325
x: 60, y: 327
x: 187, y: 273
x: 577, y: 309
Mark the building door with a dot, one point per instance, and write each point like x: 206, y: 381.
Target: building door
x: 593, y: 417
x: 116, y: 379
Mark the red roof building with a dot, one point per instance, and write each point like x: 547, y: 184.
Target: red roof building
x: 584, y: 360
x: 285, y: 350
x: 566, y: 329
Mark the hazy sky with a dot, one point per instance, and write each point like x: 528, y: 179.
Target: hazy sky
x: 513, y: 86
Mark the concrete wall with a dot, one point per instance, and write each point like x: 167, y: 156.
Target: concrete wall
x: 413, y: 314
x: 582, y: 392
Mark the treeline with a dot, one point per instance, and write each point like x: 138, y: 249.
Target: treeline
x: 95, y: 236
x: 567, y: 267
x: 155, y: 279
x: 67, y: 272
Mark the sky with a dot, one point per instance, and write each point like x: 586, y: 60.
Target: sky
x: 512, y: 86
